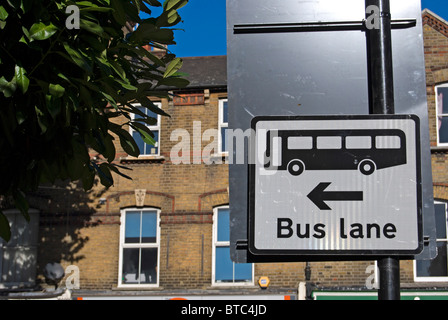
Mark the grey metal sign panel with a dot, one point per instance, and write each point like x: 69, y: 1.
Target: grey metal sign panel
x: 302, y: 57
x: 335, y: 185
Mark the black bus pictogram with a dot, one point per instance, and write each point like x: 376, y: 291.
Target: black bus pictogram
x: 365, y: 150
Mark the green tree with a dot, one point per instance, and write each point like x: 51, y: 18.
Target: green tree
x: 62, y: 83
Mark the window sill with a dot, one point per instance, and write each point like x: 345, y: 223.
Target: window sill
x: 142, y: 159
x: 439, y: 148
x: 232, y: 286
x: 137, y: 288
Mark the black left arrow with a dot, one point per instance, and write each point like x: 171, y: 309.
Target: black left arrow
x: 318, y: 196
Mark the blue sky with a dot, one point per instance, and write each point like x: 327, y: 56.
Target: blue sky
x: 204, y: 26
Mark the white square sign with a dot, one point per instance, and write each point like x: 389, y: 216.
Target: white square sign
x: 335, y: 185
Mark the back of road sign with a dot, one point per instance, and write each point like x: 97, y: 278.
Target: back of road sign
x: 302, y: 58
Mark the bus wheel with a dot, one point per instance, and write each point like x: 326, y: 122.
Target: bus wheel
x: 367, y: 167
x: 296, y: 167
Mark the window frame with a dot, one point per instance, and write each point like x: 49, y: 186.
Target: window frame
x: 123, y: 245
x: 443, y: 85
x: 222, y: 244
x: 435, y: 278
x: 222, y: 124
x: 157, y: 127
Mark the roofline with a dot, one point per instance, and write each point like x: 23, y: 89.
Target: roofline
x: 435, y: 22
x: 427, y: 11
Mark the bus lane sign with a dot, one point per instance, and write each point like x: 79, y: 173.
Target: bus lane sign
x: 335, y: 185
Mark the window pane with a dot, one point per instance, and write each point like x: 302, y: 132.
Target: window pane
x: 329, y: 142
x: 149, y: 265
x: 149, y: 227
x: 437, y: 267
x: 139, y: 141
x: 150, y: 149
x: 442, y: 100
x: 440, y: 212
x: 223, y: 225
x: 132, y: 231
x: 143, y: 110
x: 130, y: 265
x: 443, y: 129
x: 144, y: 148
x: 152, y: 115
x: 225, y: 111
x: 243, y: 272
x: 224, y: 266
x: 299, y: 143
x: 358, y: 142
x: 388, y: 142
x: 224, y: 139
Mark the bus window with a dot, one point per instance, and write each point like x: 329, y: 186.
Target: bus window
x: 352, y: 142
x: 300, y: 143
x: 276, y: 152
x: 388, y: 142
x: 329, y: 142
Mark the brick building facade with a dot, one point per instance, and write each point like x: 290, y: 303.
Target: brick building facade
x: 162, y: 234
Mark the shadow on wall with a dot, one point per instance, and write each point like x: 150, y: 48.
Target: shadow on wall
x: 54, y: 234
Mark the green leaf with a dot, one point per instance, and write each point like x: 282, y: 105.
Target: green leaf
x: 147, y: 32
x: 109, y: 148
x: 41, y: 120
x: 145, y: 102
x: 26, y: 5
x: 53, y: 105
x: 150, y: 121
x: 77, y: 58
x: 56, y: 90
x: 147, y: 135
x: 21, y: 79
x: 104, y: 174
x: 174, y: 4
x: 91, y: 27
x: 175, y: 82
x: 3, y: 13
x: 127, y: 142
x: 88, y: 178
x: 8, y: 88
x: 41, y: 31
x: 119, y: 13
x: 5, y: 230
x: 126, y: 84
x: 76, y: 162
x: 172, y: 68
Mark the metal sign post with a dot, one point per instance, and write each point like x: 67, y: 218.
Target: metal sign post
x: 382, y: 102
